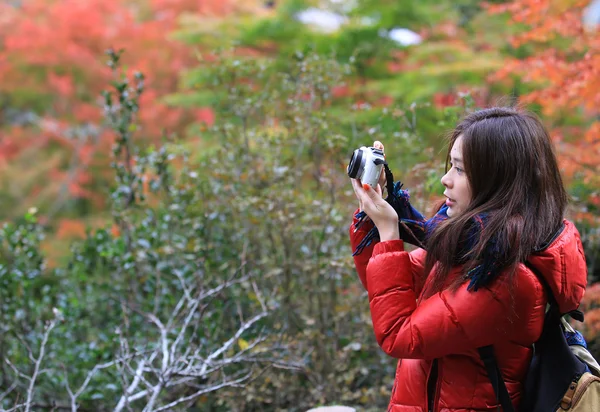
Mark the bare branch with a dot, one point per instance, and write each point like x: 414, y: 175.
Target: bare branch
x: 203, y: 391
x: 186, y: 323
x: 225, y: 285
x: 132, y: 387
x: 155, y: 392
x: 164, y: 340
x: 9, y: 390
x: 38, y: 362
x: 86, y: 382
x: 15, y: 408
x: 236, y: 336
x: 17, y: 372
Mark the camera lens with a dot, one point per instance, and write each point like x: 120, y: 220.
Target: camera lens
x: 355, y: 162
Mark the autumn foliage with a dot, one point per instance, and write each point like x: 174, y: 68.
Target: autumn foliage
x: 563, y: 67
x: 53, y: 68
x: 286, y: 104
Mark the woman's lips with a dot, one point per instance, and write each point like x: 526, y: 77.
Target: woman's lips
x: 449, y: 202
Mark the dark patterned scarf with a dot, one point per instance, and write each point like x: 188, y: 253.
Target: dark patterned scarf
x: 415, y: 229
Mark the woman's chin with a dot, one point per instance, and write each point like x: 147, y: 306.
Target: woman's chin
x: 453, y: 211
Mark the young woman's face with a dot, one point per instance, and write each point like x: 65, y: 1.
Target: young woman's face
x: 458, y: 191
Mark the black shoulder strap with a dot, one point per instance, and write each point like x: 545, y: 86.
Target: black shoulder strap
x: 488, y: 358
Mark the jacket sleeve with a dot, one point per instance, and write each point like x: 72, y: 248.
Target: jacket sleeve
x: 417, y: 257
x: 356, y: 236
x: 447, y: 322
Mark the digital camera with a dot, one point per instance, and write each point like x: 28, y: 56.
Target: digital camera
x: 366, y: 164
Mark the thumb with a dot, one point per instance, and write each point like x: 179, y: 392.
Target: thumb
x: 372, y: 193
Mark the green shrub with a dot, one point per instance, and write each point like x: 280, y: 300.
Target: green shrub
x: 222, y: 268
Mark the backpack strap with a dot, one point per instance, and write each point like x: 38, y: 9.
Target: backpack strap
x: 486, y: 353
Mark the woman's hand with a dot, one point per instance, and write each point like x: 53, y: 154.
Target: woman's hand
x: 374, y: 205
x: 381, y: 212
x: 382, y: 180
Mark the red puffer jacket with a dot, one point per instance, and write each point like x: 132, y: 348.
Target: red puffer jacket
x: 436, y: 339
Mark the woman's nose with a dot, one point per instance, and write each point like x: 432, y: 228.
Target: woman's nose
x: 446, y: 181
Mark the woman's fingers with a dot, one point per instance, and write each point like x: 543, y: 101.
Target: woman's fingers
x: 357, y: 185
x: 363, y: 193
x: 380, y: 211
x: 367, y: 196
x: 382, y: 179
x: 360, y: 193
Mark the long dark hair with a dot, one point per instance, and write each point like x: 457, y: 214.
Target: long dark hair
x: 514, y: 179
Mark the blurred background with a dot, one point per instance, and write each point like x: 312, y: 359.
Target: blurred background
x: 176, y: 239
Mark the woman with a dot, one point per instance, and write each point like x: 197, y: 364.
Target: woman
x: 433, y: 309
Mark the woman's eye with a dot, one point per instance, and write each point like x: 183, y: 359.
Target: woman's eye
x: 459, y: 170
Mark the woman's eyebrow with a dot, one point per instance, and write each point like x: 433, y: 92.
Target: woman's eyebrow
x: 456, y: 160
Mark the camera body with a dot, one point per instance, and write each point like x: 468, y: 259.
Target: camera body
x: 366, y: 164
